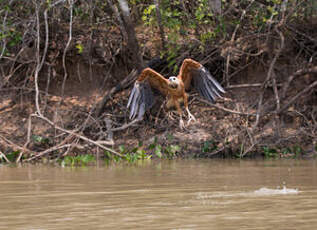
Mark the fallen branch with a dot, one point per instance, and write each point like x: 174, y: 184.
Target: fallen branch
x: 11, y: 144
x: 49, y: 150
x: 216, y: 151
x: 77, y: 135
x: 244, y: 86
x: 225, y: 109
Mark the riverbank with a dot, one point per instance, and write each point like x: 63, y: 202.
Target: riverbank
x: 65, y: 83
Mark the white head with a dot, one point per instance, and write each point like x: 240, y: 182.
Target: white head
x: 173, y: 82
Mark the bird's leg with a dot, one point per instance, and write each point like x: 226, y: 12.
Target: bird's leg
x: 190, y: 116
x: 179, y: 110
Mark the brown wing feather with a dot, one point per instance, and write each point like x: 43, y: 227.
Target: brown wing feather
x: 194, y: 73
x: 185, y: 73
x: 155, y: 79
x: 141, y: 97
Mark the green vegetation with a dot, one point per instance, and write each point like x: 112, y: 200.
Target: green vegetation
x: 9, y: 157
x: 142, y: 152
x: 270, y: 152
x: 290, y: 152
x: 40, y: 140
x: 79, y: 160
x: 208, y: 146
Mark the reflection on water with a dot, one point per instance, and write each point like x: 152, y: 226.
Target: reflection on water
x: 184, y: 194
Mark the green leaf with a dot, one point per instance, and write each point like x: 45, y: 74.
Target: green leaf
x: 151, y: 146
x: 40, y: 139
x: 158, y: 151
x: 140, y: 151
x: 122, y: 149
x: 175, y: 148
x: 80, y: 48
x: 108, y: 155
x: 135, y: 149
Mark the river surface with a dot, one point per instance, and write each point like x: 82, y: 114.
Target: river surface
x: 180, y: 194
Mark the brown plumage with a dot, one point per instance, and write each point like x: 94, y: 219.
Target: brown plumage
x: 192, y: 73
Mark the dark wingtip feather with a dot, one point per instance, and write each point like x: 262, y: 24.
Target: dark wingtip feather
x: 140, y: 100
x: 214, y: 81
x: 206, y: 85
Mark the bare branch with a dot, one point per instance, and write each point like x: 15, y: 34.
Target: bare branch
x: 298, y: 73
x: 293, y: 99
x: 77, y: 135
x: 225, y: 109
x: 71, y: 2
x: 37, y: 69
x: 4, y: 28
x: 125, y: 126
x: 123, y: 84
x: 2, y: 155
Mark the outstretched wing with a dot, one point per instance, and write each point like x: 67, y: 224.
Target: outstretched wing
x: 195, y: 74
x: 141, y: 97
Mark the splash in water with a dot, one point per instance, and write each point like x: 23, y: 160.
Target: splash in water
x: 283, y: 191
x: 260, y: 192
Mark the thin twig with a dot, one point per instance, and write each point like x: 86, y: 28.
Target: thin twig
x: 225, y: 109
x: 28, y: 138
x: 2, y: 155
x: 244, y: 86
x: 226, y: 73
x: 56, y: 3
x: 125, y: 126
x: 122, y: 85
x: 10, y: 143
x: 293, y: 99
x: 298, y: 73
x: 4, y: 29
x: 269, y: 76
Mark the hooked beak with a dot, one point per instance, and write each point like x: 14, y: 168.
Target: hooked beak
x: 173, y: 85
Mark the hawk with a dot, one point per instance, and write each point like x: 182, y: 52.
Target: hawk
x: 192, y: 74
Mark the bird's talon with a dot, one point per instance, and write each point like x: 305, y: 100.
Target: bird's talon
x: 181, y: 124
x: 191, y: 118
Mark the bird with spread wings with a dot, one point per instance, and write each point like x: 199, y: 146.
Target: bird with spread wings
x: 192, y: 73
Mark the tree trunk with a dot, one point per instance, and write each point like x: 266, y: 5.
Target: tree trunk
x: 159, y: 21
x: 133, y: 45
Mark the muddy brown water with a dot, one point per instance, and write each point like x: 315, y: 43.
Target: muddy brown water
x: 182, y: 194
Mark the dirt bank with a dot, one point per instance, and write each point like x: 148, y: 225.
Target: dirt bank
x: 65, y: 81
